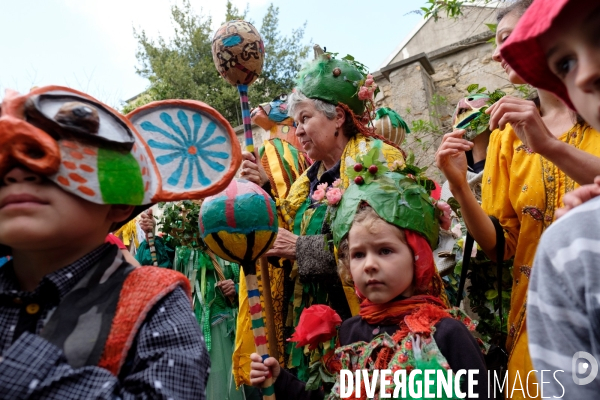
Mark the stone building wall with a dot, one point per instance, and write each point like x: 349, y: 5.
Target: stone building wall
x: 425, y: 88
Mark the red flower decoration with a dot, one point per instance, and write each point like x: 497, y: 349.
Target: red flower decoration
x: 317, y: 324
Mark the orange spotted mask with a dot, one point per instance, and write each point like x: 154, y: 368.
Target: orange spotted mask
x: 164, y: 151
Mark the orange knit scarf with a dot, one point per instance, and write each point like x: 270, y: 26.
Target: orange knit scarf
x: 393, y: 312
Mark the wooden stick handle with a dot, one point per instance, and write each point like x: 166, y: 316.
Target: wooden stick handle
x: 258, y: 330
x: 270, y: 320
x: 216, y: 265
x: 152, y: 247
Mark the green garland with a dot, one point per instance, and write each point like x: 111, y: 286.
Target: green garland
x: 482, y: 293
x: 481, y: 122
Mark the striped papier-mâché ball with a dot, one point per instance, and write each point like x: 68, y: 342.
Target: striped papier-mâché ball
x: 240, y: 223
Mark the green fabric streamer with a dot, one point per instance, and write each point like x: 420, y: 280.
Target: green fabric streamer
x: 215, y: 315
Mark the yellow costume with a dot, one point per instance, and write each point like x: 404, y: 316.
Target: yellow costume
x: 523, y: 190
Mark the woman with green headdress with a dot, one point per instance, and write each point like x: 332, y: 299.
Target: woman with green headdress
x: 331, y: 106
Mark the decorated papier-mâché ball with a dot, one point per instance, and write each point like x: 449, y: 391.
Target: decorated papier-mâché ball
x: 240, y: 223
x: 390, y: 125
x: 238, y: 52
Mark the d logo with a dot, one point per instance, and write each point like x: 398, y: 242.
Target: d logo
x: 578, y: 366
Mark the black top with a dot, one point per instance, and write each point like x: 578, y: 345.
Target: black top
x: 473, y: 166
x: 327, y: 177
x: 454, y: 340
x: 168, y: 355
x: 477, y: 167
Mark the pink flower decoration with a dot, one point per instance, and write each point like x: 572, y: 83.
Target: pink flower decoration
x: 334, y: 196
x: 337, y: 183
x: 318, y: 194
x: 322, y: 186
x: 364, y: 94
x: 445, y: 217
x: 369, y: 81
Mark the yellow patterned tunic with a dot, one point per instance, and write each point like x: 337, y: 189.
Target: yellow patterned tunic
x: 522, y: 190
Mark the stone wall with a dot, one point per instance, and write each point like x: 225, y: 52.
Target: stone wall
x: 424, y: 91
x: 433, y: 35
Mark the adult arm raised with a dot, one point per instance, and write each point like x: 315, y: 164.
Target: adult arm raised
x: 450, y: 158
x: 528, y: 125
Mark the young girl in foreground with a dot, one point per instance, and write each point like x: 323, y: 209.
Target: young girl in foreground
x: 385, y: 231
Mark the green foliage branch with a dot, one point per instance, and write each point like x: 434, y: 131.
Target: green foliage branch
x: 183, y: 68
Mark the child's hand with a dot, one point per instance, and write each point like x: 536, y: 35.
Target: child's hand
x: 450, y: 158
x: 259, y: 371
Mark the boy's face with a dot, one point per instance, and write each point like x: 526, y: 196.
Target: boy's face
x: 35, y: 214
x: 572, y: 48
x: 381, y: 263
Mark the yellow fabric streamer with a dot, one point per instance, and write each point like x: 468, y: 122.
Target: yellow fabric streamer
x: 127, y: 232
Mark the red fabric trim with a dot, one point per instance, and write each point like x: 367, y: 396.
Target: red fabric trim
x: 424, y: 265
x: 524, y: 54
x: 142, y: 289
x: 421, y: 321
x: 110, y: 238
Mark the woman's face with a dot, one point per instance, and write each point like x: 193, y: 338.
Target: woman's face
x: 315, y: 132
x: 503, y: 31
x: 572, y: 48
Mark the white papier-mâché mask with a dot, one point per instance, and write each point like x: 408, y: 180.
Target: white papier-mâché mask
x: 164, y: 151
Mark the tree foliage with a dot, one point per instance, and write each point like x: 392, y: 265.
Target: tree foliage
x: 182, y: 68
x: 452, y: 8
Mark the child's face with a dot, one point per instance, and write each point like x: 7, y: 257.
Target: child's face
x: 572, y: 48
x: 381, y: 263
x: 36, y: 215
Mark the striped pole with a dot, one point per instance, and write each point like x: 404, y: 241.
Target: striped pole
x: 249, y: 142
x: 256, y: 314
x: 150, y: 240
x: 258, y: 326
